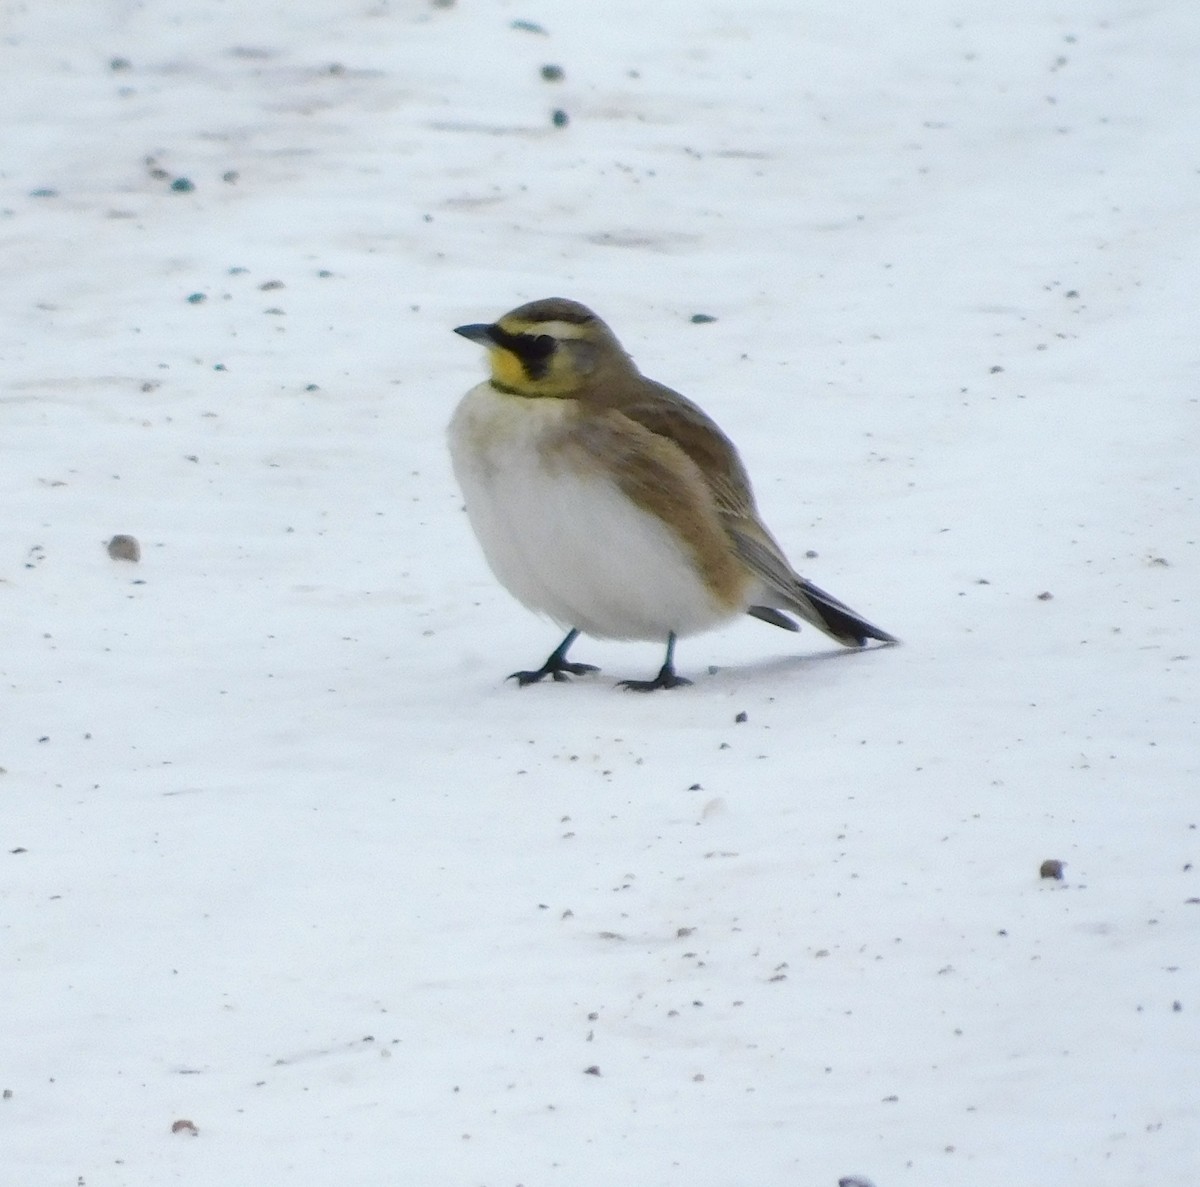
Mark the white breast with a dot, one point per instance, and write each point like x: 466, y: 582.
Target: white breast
x: 567, y: 544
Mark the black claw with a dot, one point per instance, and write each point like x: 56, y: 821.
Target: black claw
x: 578, y: 669
x: 666, y: 677
x: 524, y: 678
x: 559, y: 672
x: 557, y: 666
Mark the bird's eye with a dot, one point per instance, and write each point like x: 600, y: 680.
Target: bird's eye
x: 542, y: 346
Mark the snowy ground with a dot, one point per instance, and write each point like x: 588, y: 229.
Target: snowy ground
x: 284, y: 857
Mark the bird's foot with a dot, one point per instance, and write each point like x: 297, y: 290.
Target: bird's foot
x: 558, y: 671
x: 665, y: 679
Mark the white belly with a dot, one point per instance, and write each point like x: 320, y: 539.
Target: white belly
x: 566, y: 544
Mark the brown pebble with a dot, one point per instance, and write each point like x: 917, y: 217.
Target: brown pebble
x: 185, y: 1126
x: 124, y: 548
x: 1045, y: 596
x: 591, y: 1071
x: 1051, y: 868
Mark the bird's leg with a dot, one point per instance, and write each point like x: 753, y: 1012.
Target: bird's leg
x: 556, y: 666
x: 666, y: 677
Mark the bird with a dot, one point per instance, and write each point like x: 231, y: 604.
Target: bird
x: 612, y: 505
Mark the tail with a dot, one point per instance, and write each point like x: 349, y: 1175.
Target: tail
x: 783, y: 588
x: 826, y: 613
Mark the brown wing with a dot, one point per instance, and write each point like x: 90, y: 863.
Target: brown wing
x: 656, y: 474
x: 669, y: 415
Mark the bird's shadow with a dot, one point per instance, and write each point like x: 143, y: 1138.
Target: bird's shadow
x: 782, y: 665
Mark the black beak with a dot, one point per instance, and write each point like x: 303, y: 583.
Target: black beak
x: 477, y: 333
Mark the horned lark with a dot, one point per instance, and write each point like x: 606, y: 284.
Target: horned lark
x: 612, y: 504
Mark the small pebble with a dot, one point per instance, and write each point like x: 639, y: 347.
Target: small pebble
x: 1051, y: 868
x: 124, y: 548
x: 702, y: 319
x: 1045, y: 596
x: 552, y: 73
x: 196, y: 298
x: 185, y: 1126
x: 182, y: 185
x: 560, y: 119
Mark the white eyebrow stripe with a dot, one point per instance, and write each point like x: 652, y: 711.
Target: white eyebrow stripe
x: 555, y: 329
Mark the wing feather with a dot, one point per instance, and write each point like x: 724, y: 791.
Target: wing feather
x: 667, y: 414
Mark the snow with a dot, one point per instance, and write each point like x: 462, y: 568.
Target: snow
x: 285, y: 857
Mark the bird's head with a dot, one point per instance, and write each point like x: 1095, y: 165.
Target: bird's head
x: 552, y: 347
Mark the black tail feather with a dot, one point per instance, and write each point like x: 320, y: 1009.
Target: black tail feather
x: 838, y: 620
x: 773, y: 616
x: 850, y: 629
